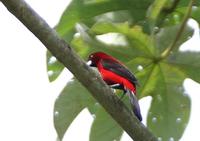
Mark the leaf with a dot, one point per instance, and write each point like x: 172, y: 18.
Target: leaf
x: 166, y: 36
x: 162, y: 79
x: 86, y: 44
x: 148, y: 81
x: 85, y: 48
x: 71, y: 101
x: 143, y: 68
x: 173, y: 12
x: 54, y: 67
x: 170, y: 107
x: 184, y: 3
x: 80, y: 11
x: 104, y: 128
x: 137, y: 39
x: 154, y: 11
x: 195, y: 12
x: 188, y: 62
x: 115, y: 17
x: 149, y: 75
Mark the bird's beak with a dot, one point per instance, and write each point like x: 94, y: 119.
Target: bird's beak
x: 89, y: 63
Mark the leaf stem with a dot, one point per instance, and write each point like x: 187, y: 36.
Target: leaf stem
x: 171, y: 8
x: 167, y: 51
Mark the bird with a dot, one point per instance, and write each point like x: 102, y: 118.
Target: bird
x: 117, y: 76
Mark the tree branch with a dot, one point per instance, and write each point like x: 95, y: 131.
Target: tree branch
x: 62, y: 51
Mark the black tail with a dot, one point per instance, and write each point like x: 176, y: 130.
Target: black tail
x: 134, y: 104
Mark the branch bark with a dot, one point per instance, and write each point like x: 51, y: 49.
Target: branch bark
x: 66, y: 55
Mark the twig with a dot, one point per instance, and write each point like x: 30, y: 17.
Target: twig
x: 180, y: 31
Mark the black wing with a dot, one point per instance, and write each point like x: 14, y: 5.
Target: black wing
x: 119, y: 69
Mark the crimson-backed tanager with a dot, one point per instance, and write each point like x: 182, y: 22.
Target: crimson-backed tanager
x: 115, y: 74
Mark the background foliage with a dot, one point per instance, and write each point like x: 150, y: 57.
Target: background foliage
x: 137, y: 32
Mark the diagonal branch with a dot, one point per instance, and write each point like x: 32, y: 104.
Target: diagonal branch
x: 62, y: 51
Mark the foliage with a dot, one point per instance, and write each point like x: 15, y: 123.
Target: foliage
x: 140, y: 30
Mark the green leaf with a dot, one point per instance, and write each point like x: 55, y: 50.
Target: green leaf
x: 54, y: 67
x: 143, y: 68
x: 148, y: 79
x: 172, y: 12
x: 155, y: 10
x: 87, y: 43
x: 188, y: 62
x: 85, y: 48
x: 184, y: 3
x: 85, y: 11
x: 135, y: 37
x: 195, y: 12
x: 170, y: 107
x: 104, y: 128
x: 80, y: 11
x: 116, y: 17
x: 71, y: 101
x: 162, y: 79
x: 166, y: 36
